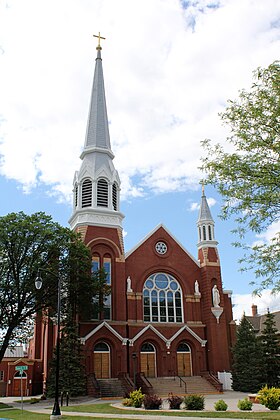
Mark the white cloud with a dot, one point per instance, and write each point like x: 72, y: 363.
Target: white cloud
x: 243, y: 303
x: 168, y: 72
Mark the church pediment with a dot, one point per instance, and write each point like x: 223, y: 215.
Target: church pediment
x: 160, y: 246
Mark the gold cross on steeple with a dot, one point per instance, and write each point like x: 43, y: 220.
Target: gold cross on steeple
x: 99, y: 37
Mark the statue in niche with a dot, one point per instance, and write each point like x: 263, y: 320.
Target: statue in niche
x: 216, y: 296
x: 196, y: 288
x: 128, y: 284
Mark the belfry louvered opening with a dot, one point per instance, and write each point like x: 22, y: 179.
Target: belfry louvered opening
x: 102, y: 193
x: 87, y: 193
x: 115, y: 197
x: 76, y: 195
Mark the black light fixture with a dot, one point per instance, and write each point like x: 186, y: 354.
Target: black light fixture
x: 38, y: 281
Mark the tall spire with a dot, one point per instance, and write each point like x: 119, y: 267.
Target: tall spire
x: 205, y: 224
x: 96, y: 193
x: 97, y: 134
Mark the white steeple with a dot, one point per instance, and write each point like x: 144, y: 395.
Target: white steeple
x: 205, y: 224
x: 96, y: 193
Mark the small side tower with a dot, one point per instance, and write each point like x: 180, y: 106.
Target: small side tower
x: 216, y: 305
x: 207, y: 245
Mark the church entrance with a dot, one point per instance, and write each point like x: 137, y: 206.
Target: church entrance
x: 101, y: 361
x: 148, y: 360
x: 18, y: 382
x: 184, y: 360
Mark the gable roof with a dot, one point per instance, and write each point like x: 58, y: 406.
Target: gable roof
x: 258, y: 321
x: 170, y: 234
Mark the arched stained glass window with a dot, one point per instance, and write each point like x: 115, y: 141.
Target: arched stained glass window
x: 162, y: 299
x: 102, y: 193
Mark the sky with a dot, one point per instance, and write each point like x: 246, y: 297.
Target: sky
x: 170, y: 67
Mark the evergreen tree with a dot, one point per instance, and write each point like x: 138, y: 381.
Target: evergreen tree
x: 270, y: 340
x: 72, y: 378
x: 247, y: 370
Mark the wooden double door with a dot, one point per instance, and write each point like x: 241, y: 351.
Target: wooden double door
x: 101, y: 361
x: 184, y: 360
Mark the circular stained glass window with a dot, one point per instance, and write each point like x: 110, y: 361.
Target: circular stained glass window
x: 173, y: 285
x: 161, y: 281
x: 161, y: 247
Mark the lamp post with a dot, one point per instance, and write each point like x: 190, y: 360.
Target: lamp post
x: 38, y: 284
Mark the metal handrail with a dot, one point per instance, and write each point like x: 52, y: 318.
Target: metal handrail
x: 184, y: 382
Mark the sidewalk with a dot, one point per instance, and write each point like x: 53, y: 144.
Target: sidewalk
x: 45, y: 407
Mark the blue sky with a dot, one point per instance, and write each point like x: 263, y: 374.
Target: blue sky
x: 169, y: 66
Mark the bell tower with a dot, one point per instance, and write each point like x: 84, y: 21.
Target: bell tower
x: 96, y: 192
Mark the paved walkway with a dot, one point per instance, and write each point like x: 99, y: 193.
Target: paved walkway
x: 45, y: 407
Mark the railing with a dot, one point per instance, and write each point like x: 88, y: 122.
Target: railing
x: 182, y: 382
x: 127, y: 383
x: 212, y: 378
x: 93, y: 383
x: 144, y: 383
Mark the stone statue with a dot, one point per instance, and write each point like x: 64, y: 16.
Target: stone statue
x: 128, y: 284
x: 216, y: 297
x: 196, y: 287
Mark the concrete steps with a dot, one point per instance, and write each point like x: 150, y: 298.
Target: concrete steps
x: 194, y: 385
x: 111, y: 388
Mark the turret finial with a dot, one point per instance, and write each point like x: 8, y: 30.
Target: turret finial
x: 202, y: 188
x: 99, y: 37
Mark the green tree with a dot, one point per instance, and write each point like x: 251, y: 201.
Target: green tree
x: 247, y: 368
x: 29, y: 243
x: 247, y: 176
x: 270, y: 340
x: 72, y: 378
x: 102, y: 291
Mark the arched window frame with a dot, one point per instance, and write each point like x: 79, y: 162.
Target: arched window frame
x: 87, y: 193
x: 115, y: 196
x: 102, y: 193
x: 162, y: 300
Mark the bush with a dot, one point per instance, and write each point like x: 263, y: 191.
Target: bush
x: 136, y: 397
x: 152, y: 402
x: 269, y: 397
x: 194, y: 402
x: 127, y: 402
x: 174, y: 401
x: 221, y: 406
x: 245, y: 404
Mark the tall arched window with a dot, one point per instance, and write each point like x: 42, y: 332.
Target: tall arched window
x: 162, y: 299
x: 102, y: 193
x: 87, y: 193
x: 115, y: 196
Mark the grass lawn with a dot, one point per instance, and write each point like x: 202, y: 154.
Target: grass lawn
x: 12, y: 414
x: 108, y: 409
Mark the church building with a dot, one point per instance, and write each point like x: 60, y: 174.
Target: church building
x: 167, y: 314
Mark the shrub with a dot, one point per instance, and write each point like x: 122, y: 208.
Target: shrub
x: 221, y: 405
x: 136, y: 397
x: 174, y: 401
x: 269, y: 397
x: 127, y: 402
x: 194, y: 402
x: 152, y: 402
x: 245, y: 404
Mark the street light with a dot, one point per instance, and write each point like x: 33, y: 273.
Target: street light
x: 56, y: 413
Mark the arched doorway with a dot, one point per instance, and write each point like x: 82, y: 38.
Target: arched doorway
x: 101, y: 360
x: 148, y: 360
x: 20, y: 378
x: 184, y: 360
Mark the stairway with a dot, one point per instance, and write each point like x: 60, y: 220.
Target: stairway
x: 111, y: 388
x: 194, y: 385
